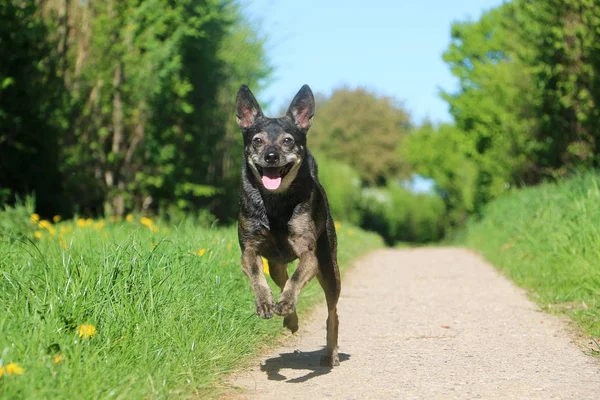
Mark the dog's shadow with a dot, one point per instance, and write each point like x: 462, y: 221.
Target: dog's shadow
x: 298, y: 360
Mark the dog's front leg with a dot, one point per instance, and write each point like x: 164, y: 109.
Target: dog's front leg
x: 303, y: 241
x: 307, y: 269
x: 253, y: 267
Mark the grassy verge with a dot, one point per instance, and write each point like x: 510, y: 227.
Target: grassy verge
x: 128, y: 309
x: 547, y: 239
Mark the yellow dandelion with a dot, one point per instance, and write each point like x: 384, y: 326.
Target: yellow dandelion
x: 89, y: 222
x: 56, y: 218
x: 337, y: 225
x: 99, y: 225
x: 57, y: 359
x: 47, y: 225
x: 265, y: 265
x: 146, y: 222
x: 44, y: 224
x: 80, y: 222
x: 129, y: 218
x: 201, y: 252
x: 62, y: 243
x: 350, y: 232
x: 35, y: 218
x: 13, y: 369
x: 86, y: 331
x: 154, y: 228
x: 114, y: 218
x: 38, y: 234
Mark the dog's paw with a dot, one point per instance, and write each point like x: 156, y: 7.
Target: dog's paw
x: 330, y: 361
x: 284, y: 308
x: 264, y: 310
x: 291, y: 322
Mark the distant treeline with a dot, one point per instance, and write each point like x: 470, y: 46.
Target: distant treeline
x: 118, y: 106
x: 112, y: 106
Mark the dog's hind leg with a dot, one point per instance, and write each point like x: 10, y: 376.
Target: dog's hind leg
x: 329, y: 278
x: 280, y: 276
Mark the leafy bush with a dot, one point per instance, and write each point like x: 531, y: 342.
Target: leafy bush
x: 343, y: 187
x: 400, y: 215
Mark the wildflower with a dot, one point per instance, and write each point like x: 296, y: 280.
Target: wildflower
x: 57, y: 359
x: 56, y: 218
x: 129, y: 218
x: 48, y: 226
x: 337, y: 225
x: 99, y: 225
x: 89, y: 222
x: 146, y: 222
x: 62, y: 242
x: 154, y: 228
x: 80, y: 222
x: 11, y: 369
x: 201, y: 252
x: 37, y: 234
x: 114, y: 218
x: 34, y: 218
x: 86, y: 331
x: 265, y: 265
x: 65, y: 229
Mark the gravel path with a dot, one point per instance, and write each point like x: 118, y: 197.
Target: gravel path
x: 430, y: 323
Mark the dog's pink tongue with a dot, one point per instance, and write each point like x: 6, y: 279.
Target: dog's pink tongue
x: 271, y: 183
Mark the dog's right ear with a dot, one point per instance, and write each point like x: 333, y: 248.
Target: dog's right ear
x: 247, y: 108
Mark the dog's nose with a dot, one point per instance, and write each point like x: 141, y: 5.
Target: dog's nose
x: 271, y: 157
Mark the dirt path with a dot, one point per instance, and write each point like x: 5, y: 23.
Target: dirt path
x: 430, y: 323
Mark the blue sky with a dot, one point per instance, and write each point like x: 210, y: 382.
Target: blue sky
x: 391, y: 47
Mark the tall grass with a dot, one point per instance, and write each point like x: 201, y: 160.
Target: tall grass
x: 170, y: 306
x: 547, y: 239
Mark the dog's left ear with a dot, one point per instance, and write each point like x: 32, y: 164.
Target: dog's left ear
x: 302, y: 108
x: 247, y: 108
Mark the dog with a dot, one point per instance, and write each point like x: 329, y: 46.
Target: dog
x: 284, y: 214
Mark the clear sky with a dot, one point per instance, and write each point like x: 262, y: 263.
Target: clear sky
x: 391, y: 47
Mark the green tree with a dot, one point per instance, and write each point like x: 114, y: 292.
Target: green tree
x: 362, y: 130
x: 30, y: 101
x: 566, y: 71
x: 494, y: 106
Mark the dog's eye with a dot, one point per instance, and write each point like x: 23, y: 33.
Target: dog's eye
x: 288, y: 141
x: 257, y: 141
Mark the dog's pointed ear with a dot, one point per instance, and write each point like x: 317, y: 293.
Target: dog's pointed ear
x: 302, y: 108
x: 247, y: 108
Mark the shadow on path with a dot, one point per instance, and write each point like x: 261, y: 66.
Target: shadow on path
x: 300, y: 361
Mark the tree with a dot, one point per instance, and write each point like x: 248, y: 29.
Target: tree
x: 565, y: 71
x: 362, y: 130
x: 30, y: 108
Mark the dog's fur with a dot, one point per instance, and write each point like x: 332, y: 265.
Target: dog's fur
x: 284, y: 214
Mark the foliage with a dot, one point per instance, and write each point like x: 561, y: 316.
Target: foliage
x: 30, y: 94
x: 547, y: 240
x: 343, y: 186
x: 526, y: 105
x: 134, y: 308
x: 402, y: 216
x: 362, y: 130
x: 134, y: 99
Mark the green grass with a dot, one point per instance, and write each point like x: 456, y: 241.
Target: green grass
x: 547, y: 239
x: 168, y: 321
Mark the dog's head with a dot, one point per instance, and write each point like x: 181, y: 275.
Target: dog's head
x: 275, y: 147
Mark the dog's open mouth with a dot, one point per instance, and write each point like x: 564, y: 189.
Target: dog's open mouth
x: 272, y: 176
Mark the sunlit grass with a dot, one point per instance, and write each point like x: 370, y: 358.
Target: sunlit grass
x: 547, y: 239
x: 129, y: 308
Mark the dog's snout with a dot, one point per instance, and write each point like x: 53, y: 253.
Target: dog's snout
x: 271, y: 156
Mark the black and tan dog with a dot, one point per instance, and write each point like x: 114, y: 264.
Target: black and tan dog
x: 284, y: 214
